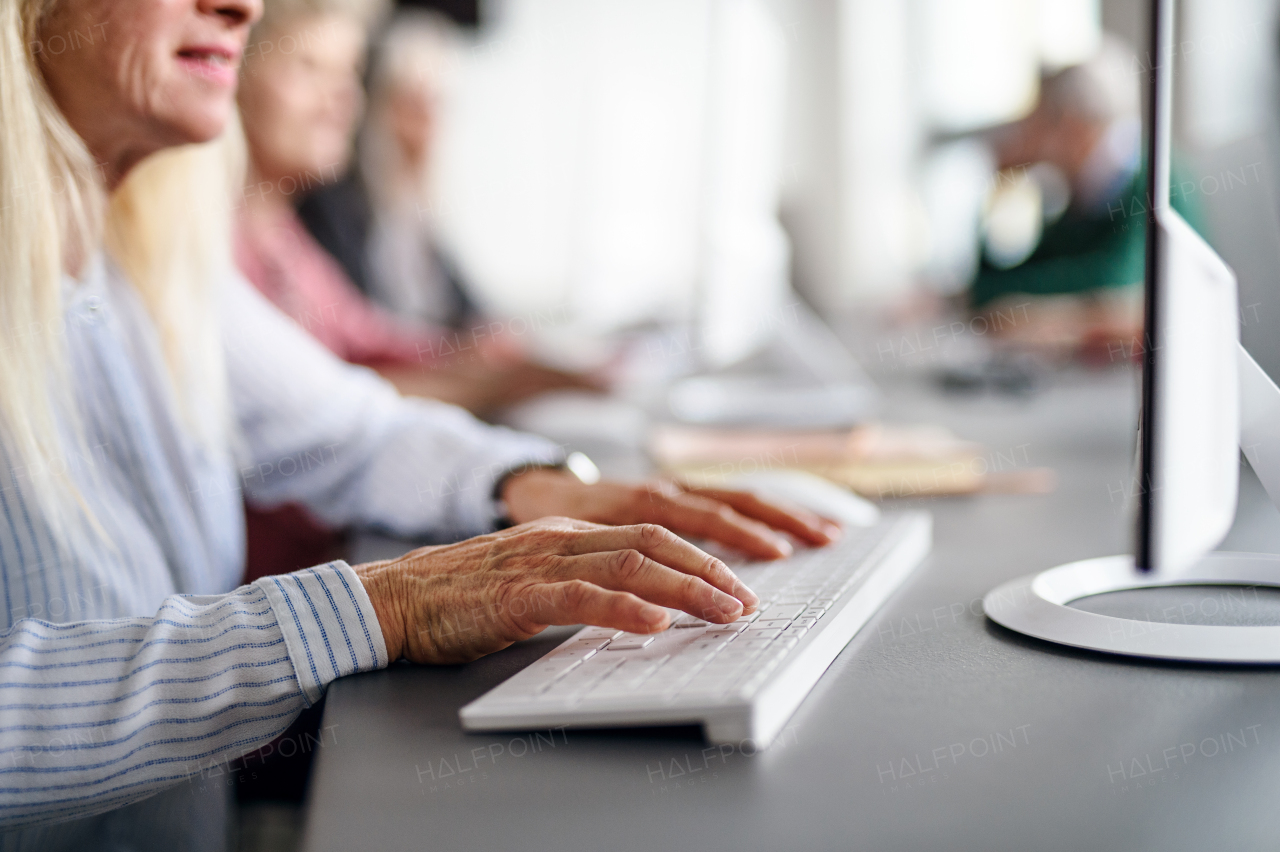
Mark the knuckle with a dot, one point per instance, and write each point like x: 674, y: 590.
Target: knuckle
x: 551, y: 538
x: 575, y: 593
x: 693, y: 588
x: 551, y: 565
x: 714, y: 569
x: 628, y: 564
x: 651, y: 534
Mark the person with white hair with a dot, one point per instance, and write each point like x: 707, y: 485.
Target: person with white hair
x: 144, y: 387
x: 1079, y: 152
x: 406, y: 270
x: 379, y: 219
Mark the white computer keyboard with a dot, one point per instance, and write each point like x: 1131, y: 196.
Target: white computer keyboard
x: 739, y: 681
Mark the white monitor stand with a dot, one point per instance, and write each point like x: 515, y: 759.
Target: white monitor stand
x: 1038, y: 605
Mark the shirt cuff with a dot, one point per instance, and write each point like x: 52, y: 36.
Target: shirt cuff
x: 329, y: 625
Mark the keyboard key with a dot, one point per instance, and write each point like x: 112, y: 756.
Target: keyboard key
x: 629, y: 642
x: 668, y: 674
x: 804, y: 622
x: 636, y: 672
x: 771, y: 623
x: 687, y: 621
x: 686, y: 660
x: 743, y: 655
x: 722, y: 663
x: 571, y: 652
x: 626, y: 678
x: 549, y: 668
x: 779, y: 611
x: 580, y: 681
x: 761, y: 674
x: 747, y: 619
x: 722, y: 638
x: 765, y: 633
x: 675, y: 668
x: 597, y: 633
x: 595, y: 644
x: 797, y: 632
x: 815, y: 612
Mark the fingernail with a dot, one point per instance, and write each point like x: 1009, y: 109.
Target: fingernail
x: 727, y: 605
x: 744, y: 594
x: 784, y: 546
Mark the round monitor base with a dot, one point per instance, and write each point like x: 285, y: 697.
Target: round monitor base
x: 1037, y: 605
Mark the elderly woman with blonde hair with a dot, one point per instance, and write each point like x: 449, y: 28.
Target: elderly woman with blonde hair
x: 144, y: 387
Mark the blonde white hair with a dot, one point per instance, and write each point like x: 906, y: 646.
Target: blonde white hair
x: 420, y: 51
x: 167, y: 228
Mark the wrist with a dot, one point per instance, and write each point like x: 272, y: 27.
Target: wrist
x: 379, y: 581
x: 540, y: 490
x: 532, y: 494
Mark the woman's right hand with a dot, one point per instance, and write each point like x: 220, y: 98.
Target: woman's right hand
x: 454, y: 603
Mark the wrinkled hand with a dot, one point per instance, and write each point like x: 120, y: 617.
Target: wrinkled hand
x: 457, y: 602
x: 738, y: 519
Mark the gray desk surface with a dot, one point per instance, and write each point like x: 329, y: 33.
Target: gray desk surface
x: 933, y: 729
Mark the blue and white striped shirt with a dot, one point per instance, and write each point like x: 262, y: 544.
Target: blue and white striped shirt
x: 130, y: 661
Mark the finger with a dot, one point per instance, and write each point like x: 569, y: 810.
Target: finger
x: 693, y: 514
x: 800, y: 522
x: 665, y: 547
x: 632, y: 571
x: 580, y: 602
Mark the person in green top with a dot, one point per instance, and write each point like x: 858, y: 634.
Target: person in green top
x: 1081, y: 148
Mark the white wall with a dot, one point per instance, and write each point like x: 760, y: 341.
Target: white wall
x: 626, y: 159
x: 620, y: 162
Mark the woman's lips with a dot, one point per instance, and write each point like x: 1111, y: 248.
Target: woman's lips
x: 214, y: 63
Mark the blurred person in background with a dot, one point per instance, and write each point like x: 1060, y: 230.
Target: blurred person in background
x: 151, y: 390
x: 376, y: 220
x: 300, y: 98
x: 1065, y: 222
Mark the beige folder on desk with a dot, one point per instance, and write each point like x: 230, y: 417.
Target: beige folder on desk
x: 875, y: 460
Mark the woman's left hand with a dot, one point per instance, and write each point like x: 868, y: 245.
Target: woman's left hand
x: 738, y: 519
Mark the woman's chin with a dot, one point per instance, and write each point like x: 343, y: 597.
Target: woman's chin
x: 196, y: 125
